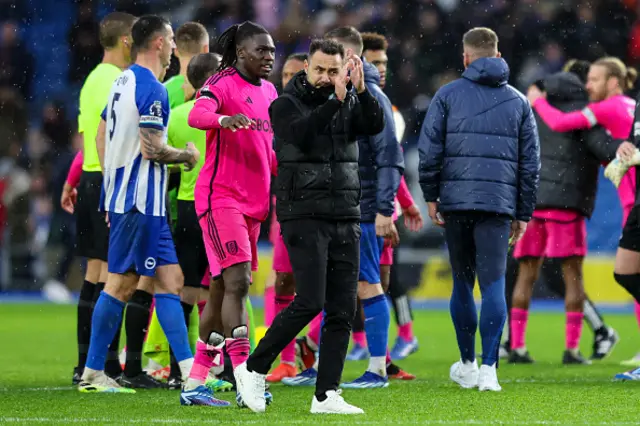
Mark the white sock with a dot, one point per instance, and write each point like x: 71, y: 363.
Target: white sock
x: 315, y: 364
x: 217, y: 370
x: 191, y: 384
x: 378, y: 365
x: 185, y: 368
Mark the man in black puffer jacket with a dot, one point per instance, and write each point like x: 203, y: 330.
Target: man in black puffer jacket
x: 479, y: 167
x: 315, y: 124
x: 566, y: 197
x: 381, y: 167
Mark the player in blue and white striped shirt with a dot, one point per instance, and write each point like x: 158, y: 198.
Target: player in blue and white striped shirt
x: 132, y: 145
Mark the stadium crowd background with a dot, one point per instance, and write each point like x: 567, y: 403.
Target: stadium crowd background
x: 47, y: 48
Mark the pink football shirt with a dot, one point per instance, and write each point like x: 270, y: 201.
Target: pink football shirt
x: 238, y: 165
x: 614, y: 114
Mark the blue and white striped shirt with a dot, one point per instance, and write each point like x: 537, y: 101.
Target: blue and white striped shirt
x: 137, y: 99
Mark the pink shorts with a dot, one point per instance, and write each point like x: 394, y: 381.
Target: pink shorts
x: 281, y: 262
x: 387, y: 255
x: 552, y: 239
x: 230, y: 238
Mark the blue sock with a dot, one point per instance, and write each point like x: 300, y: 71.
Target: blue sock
x: 376, y: 324
x: 171, y: 318
x: 465, y: 317
x: 105, y: 323
x: 493, y: 315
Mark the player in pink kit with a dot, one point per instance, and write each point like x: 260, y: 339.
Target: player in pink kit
x: 607, y: 80
x: 232, y: 191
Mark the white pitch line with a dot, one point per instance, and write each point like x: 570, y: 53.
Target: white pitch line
x: 577, y: 380
x: 300, y: 421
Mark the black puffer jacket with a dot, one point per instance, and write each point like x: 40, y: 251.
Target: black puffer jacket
x: 570, y: 161
x: 315, y: 142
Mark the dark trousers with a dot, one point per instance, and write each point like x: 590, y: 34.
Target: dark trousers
x: 478, y: 244
x: 325, y: 257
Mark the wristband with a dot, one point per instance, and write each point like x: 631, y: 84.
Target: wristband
x: 222, y: 117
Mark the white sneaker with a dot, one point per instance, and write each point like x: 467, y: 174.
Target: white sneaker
x: 488, y: 379
x: 251, y: 386
x: 334, y: 404
x: 56, y: 292
x: 465, y: 374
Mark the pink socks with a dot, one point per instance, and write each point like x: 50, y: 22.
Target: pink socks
x: 573, y: 329
x: 637, y: 306
x: 206, y: 357
x: 238, y: 350
x: 359, y: 338
x: 288, y: 354
x: 405, y: 331
x: 269, y: 305
x: 519, y: 318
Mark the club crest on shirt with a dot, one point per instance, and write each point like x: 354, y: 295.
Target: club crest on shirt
x: 156, y: 109
x: 232, y: 247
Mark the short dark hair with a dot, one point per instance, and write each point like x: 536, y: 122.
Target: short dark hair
x: 300, y: 56
x: 483, y: 40
x: 374, y: 41
x: 578, y: 67
x: 346, y: 35
x: 189, y: 37
x: 201, y: 67
x: 145, y: 29
x: 113, y: 26
x: 328, y: 47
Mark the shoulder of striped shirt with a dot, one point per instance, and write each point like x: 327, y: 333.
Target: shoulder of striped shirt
x: 217, y: 77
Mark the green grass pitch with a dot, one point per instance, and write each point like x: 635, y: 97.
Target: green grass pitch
x: 37, y: 354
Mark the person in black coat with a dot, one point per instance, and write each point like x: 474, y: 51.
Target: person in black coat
x: 566, y: 198
x: 479, y: 172
x: 603, y: 148
x: 381, y: 166
x: 315, y: 123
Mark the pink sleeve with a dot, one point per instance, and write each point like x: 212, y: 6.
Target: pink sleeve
x: 204, y: 115
x: 597, y: 112
x: 404, y: 196
x: 73, y: 178
x: 210, y: 98
x: 560, y: 121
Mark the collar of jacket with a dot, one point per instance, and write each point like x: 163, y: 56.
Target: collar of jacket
x: 493, y: 72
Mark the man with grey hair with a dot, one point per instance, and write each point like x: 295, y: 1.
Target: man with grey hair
x: 479, y: 172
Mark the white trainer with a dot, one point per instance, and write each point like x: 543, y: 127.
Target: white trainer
x: 465, y: 374
x: 251, y: 386
x: 488, y: 379
x: 334, y: 404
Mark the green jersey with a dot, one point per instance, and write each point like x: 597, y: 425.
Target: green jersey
x: 176, y: 92
x: 93, y: 100
x: 179, y: 133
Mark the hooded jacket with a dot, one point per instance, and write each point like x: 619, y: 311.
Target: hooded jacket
x: 381, y: 159
x: 317, y: 151
x: 479, y: 148
x: 571, y: 160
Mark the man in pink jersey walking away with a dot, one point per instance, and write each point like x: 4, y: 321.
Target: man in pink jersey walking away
x: 606, y: 81
x: 566, y: 196
x: 232, y: 191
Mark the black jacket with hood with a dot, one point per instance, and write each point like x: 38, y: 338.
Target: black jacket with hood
x: 317, y: 151
x: 570, y: 161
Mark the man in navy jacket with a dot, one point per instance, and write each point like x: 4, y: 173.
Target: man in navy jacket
x: 479, y: 172
x: 381, y: 164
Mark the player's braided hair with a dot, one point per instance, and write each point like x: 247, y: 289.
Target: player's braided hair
x: 228, y: 41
